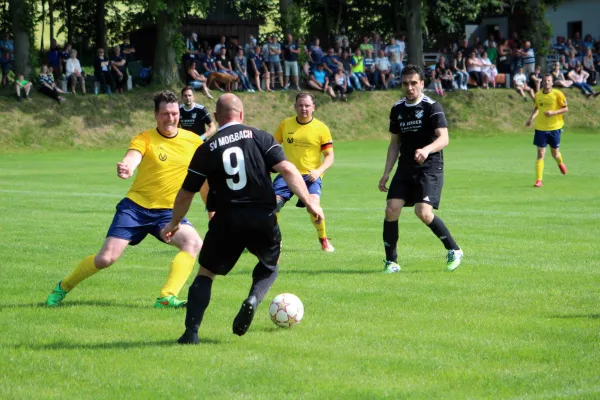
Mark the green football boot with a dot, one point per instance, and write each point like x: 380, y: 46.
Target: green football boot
x: 390, y: 267
x: 169, y: 302
x: 56, y: 297
x: 453, y: 259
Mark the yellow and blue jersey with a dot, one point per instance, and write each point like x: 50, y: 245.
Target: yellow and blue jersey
x: 164, y: 166
x: 303, y: 143
x: 555, y: 100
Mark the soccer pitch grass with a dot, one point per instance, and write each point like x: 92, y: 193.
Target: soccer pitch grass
x: 520, y: 318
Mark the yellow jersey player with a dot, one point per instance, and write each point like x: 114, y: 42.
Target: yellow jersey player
x: 552, y: 104
x: 161, y: 156
x: 304, y: 140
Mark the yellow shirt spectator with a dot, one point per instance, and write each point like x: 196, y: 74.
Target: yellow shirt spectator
x: 303, y: 143
x: 163, y: 168
x: 555, y: 100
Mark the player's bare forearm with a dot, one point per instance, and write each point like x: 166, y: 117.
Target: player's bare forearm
x: 182, y: 204
x: 127, y: 166
x: 212, y: 129
x: 392, y: 155
x: 440, y: 142
x: 327, y: 161
x: 534, y: 114
x: 561, y: 111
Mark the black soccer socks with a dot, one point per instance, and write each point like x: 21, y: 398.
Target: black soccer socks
x: 198, y: 300
x: 440, y: 230
x: 390, y: 240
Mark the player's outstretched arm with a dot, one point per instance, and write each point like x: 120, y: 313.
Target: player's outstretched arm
x: 296, y: 183
x: 180, y: 208
x: 392, y: 156
x: 126, y: 167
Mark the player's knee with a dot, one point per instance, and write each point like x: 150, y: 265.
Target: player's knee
x: 392, y: 212
x: 105, y: 260
x: 191, y: 244
x: 424, y: 214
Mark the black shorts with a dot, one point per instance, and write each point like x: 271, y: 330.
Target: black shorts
x: 417, y: 185
x: 230, y: 232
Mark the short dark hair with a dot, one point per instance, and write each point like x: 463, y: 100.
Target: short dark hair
x: 412, y: 70
x: 165, y: 96
x: 303, y: 95
x: 186, y: 88
x: 546, y: 76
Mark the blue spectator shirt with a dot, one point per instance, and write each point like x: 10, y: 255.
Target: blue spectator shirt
x: 330, y: 61
x: 274, y: 57
x: 394, y: 51
x: 9, y: 44
x: 529, y: 57
x: 258, y: 60
x: 369, y: 63
x: 320, y: 76
x: 210, y: 63
x: 316, y: 54
x: 53, y: 57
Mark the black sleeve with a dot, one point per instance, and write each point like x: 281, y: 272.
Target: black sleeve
x: 197, y: 171
x: 270, y: 149
x: 438, y: 118
x: 394, y: 128
x: 206, y: 117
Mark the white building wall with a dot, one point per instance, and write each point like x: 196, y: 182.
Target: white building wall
x: 587, y: 11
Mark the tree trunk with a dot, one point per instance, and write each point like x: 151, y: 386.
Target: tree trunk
x: 51, y: 15
x: 285, y: 9
x: 538, y: 34
x: 43, y: 28
x: 100, y: 24
x: 338, y: 17
x: 414, y: 47
x: 69, y: 22
x: 18, y: 12
x: 396, y: 20
x: 165, y: 65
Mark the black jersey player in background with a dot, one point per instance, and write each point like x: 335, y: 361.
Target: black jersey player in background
x: 419, y: 132
x: 195, y: 117
x: 237, y: 162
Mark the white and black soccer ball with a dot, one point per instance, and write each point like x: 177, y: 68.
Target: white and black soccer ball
x: 286, y: 310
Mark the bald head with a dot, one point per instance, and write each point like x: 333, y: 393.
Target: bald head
x: 229, y: 109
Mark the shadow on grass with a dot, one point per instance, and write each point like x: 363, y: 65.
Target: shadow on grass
x: 575, y: 316
x: 78, y: 303
x: 108, y: 346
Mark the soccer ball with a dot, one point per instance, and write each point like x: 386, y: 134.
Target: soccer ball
x: 286, y: 310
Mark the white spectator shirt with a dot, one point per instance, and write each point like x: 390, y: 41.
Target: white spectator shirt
x: 394, y: 52
x: 217, y: 49
x: 402, y: 46
x: 382, y: 63
x: 72, y: 65
x: 519, y: 79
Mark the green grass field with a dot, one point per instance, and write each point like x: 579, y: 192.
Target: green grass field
x: 519, y: 319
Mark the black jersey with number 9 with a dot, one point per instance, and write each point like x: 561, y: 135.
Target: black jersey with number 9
x: 237, y: 162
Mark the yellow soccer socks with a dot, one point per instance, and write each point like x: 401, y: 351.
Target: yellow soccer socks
x: 319, y: 226
x: 539, y: 169
x: 84, y: 270
x: 179, y: 271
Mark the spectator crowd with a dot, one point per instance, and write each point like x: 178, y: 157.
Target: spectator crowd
x: 345, y: 67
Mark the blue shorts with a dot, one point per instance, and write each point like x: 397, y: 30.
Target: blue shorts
x: 282, y: 190
x: 133, y: 222
x: 551, y: 138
